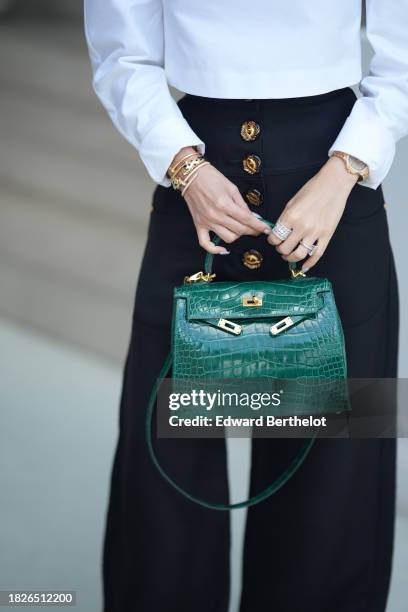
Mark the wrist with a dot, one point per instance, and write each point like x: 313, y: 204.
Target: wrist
x: 182, y: 153
x: 184, y: 167
x: 352, y: 164
x: 335, y: 169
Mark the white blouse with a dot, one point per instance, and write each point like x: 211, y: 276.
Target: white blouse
x: 248, y: 49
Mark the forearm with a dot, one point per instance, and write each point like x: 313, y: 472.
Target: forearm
x: 380, y: 117
x: 126, y: 47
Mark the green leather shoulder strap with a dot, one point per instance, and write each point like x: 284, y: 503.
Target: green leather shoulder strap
x: 267, y: 492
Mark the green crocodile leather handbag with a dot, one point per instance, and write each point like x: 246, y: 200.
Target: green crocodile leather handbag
x: 244, y: 330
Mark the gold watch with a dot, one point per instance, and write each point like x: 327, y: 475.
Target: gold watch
x: 353, y: 165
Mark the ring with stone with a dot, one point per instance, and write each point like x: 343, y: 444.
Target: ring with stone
x: 310, y: 248
x: 281, y: 231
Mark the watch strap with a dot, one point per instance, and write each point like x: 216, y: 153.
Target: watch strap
x: 347, y: 159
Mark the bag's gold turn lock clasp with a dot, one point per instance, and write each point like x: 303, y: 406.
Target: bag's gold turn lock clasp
x: 253, y: 300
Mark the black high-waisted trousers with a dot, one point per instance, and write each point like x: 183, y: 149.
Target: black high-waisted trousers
x: 323, y: 543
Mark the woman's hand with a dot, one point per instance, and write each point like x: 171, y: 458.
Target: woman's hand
x: 314, y: 213
x: 216, y: 204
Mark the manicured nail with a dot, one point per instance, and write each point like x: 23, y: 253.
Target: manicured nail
x: 225, y: 253
x: 267, y: 231
x: 305, y: 269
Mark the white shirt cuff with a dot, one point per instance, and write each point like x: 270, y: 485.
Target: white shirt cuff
x: 161, y: 144
x: 365, y: 137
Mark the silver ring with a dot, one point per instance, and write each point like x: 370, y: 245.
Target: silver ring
x: 310, y: 248
x: 281, y: 231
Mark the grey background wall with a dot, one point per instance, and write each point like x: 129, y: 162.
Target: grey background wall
x: 74, y: 209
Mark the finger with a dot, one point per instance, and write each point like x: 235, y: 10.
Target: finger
x: 242, y: 213
x: 252, y: 220
x: 237, y: 197
x: 301, y: 251
x: 273, y: 239
x: 238, y: 228
x: 206, y: 243
x: 320, y: 249
x: 290, y: 243
x: 224, y: 233
x: 297, y: 255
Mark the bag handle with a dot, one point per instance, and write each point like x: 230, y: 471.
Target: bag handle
x: 251, y: 501
x: 209, y: 259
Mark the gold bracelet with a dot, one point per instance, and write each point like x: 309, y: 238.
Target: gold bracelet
x: 192, y: 179
x: 178, y: 182
x: 184, y: 163
x: 173, y: 169
x: 188, y: 167
x: 192, y: 176
x: 190, y: 164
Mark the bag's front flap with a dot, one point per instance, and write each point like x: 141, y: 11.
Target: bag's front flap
x: 272, y: 299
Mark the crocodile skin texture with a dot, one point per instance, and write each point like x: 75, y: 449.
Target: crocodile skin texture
x: 312, y: 348
x: 279, y: 299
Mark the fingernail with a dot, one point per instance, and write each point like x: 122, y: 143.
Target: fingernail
x: 305, y: 269
x: 225, y: 253
x: 267, y: 231
x: 256, y: 215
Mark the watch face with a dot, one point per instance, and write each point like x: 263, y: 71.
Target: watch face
x: 357, y: 164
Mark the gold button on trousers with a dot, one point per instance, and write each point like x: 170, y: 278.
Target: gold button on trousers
x: 250, y: 130
x: 254, y: 197
x: 252, y: 164
x: 252, y: 259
